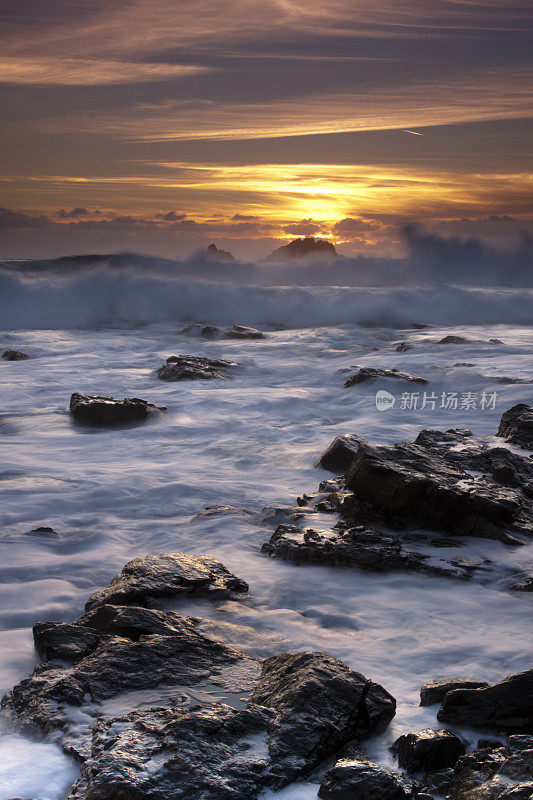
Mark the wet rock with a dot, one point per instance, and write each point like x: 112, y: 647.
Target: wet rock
x: 506, y: 706
x: 59, y: 640
x: 435, y: 690
x: 495, y: 773
x: 188, y: 368
x: 355, y: 779
x: 358, y: 547
x: 15, y: 355
x: 204, y: 331
x: 455, y: 340
x: 408, y: 483
x: 427, y: 750
x: 403, y: 347
x: 45, y: 530
x: 242, y: 332
x: 107, y: 411
x: 522, y: 585
x: 369, y: 373
x: 341, y: 452
x: 516, y: 426
x: 168, y: 575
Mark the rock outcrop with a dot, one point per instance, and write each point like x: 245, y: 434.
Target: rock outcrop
x: 15, y: 355
x: 242, y: 332
x: 340, y: 453
x: 302, y: 248
x: 198, y: 330
x: 370, y: 373
x: 428, y: 750
x: 107, y: 411
x: 213, y: 253
x: 351, y: 779
x: 435, y: 690
x: 505, y: 706
x: 497, y: 772
x: 516, y: 426
x: 188, y: 368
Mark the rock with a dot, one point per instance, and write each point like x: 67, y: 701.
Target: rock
x: 302, y: 248
x: 188, y: 368
x: 427, y: 750
x: 358, y: 547
x: 516, y: 426
x: 495, y: 773
x: 45, y: 530
x: 205, y: 331
x: 411, y: 484
x: 523, y: 585
x: 340, y: 454
x: 214, y: 254
x: 507, y: 705
x: 356, y: 779
x: 63, y: 641
x: 455, y: 340
x: 419, y: 326
x: 168, y: 575
x: 403, y: 347
x: 15, y: 355
x: 369, y: 373
x: 105, y: 411
x: 242, y: 332
x: 434, y: 691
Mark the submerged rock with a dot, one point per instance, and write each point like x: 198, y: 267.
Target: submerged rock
x: 506, y: 706
x: 104, y: 411
x: 435, y: 690
x: 455, y: 340
x: 354, y: 779
x: 428, y: 750
x: 187, y: 368
x: 516, y: 426
x: 242, y: 332
x: 369, y: 373
x: 403, y: 347
x: 205, y: 331
x: 15, y: 355
x: 168, y: 575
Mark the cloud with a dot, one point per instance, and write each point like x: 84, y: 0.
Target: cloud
x: 306, y: 227
x: 352, y: 228
x: 171, y: 216
x: 19, y: 220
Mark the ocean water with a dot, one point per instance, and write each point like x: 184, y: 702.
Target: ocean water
x: 248, y: 442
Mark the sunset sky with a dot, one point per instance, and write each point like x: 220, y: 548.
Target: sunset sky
x: 163, y: 125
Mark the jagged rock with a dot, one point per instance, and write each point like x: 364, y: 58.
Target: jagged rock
x: 352, y: 779
x: 434, y: 691
x: 44, y: 530
x: 358, y: 547
x: 455, y: 340
x: 242, y: 332
x: 214, y: 254
x: 507, y: 705
x: 204, y: 331
x: 15, y: 355
x: 301, y: 248
x: 522, y: 585
x: 495, y: 773
x: 427, y: 750
x: 403, y: 347
x: 63, y: 641
x: 369, y: 373
x: 410, y: 484
x: 340, y: 454
x: 516, y: 426
x: 168, y: 575
x: 187, y: 368
x: 103, y: 411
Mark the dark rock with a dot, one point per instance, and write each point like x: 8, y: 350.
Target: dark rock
x: 302, y: 248
x: 341, y: 452
x: 495, y: 773
x: 427, y: 750
x: 45, y: 530
x: 358, y: 547
x: 242, y: 332
x: 188, y: 368
x: 104, y: 411
x: 456, y: 340
x: 369, y: 373
x: 413, y: 485
x: 516, y: 426
x: 168, y: 575
x: 507, y: 705
x: 214, y: 254
x: 403, y: 347
x: 63, y: 641
x: 523, y: 585
x: 204, y: 331
x: 15, y: 355
x: 357, y: 779
x: 435, y: 690
x: 419, y: 326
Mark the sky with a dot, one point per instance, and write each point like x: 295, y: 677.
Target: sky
x: 163, y: 125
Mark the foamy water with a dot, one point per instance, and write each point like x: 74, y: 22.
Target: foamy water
x: 248, y: 442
